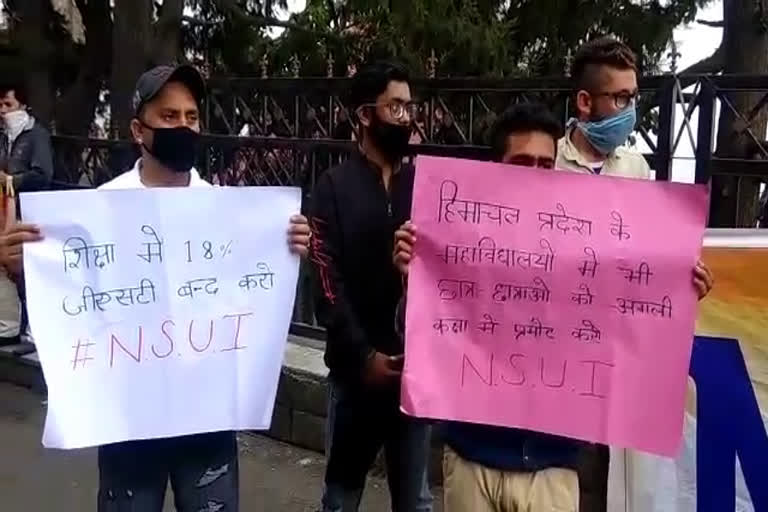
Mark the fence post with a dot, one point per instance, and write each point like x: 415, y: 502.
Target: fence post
x: 295, y: 72
x: 264, y: 100
x: 431, y: 74
x: 331, y: 119
x: 705, y: 137
x: 664, y: 146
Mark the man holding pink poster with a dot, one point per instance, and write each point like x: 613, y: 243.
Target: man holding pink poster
x: 478, y: 336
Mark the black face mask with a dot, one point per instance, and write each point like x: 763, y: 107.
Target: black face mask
x: 391, y: 139
x: 174, y: 148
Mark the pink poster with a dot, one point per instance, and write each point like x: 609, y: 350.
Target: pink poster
x: 552, y: 301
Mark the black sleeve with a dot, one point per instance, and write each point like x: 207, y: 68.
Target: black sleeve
x: 347, y: 351
x: 400, y: 318
x: 39, y: 172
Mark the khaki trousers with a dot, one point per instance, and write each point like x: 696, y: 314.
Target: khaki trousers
x: 470, y: 487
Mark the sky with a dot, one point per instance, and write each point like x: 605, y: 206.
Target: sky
x: 694, y: 42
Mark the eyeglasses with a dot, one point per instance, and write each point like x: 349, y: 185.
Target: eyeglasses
x: 532, y: 161
x: 398, y: 109
x: 621, y: 99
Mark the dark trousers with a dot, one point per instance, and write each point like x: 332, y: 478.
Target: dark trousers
x: 202, y: 468
x: 593, y: 478
x: 360, y: 424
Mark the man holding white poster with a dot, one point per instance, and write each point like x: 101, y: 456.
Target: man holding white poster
x: 153, y: 418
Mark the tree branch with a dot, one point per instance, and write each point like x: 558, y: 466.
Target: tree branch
x: 716, y: 24
x: 710, y: 65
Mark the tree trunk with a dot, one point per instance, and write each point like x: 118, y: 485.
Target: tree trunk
x: 77, y: 105
x: 167, y: 47
x: 745, y: 47
x: 131, y: 40
x: 29, y: 35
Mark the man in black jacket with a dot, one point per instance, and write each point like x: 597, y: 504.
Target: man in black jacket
x: 357, y: 207
x: 25, y: 144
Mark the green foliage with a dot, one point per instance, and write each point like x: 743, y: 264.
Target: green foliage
x: 491, y: 38
x: 485, y: 37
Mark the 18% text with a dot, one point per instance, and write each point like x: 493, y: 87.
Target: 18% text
x: 207, y: 250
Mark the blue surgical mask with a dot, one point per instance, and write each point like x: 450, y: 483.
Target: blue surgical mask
x: 607, y: 134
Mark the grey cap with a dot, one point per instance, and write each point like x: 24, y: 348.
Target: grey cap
x: 152, y: 81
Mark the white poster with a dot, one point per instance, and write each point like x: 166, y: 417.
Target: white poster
x: 159, y: 312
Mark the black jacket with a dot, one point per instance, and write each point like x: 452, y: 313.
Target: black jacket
x: 29, y: 160
x: 354, y: 221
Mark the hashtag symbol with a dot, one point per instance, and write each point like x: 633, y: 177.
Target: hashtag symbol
x: 81, y: 354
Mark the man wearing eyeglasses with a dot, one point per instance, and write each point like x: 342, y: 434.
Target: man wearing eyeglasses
x: 604, y: 74
x: 488, y: 468
x: 357, y: 207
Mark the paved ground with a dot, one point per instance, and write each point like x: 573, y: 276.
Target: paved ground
x: 274, y: 477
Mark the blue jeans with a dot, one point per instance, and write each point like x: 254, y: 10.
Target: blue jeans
x: 202, y: 468
x: 359, y: 425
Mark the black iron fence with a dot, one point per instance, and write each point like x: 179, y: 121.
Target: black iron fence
x: 226, y: 159
x: 280, y: 130
x: 287, y: 131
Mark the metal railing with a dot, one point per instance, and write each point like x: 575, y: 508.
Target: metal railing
x: 291, y: 125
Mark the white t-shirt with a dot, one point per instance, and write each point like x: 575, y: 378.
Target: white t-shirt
x: 597, y: 167
x: 132, y: 179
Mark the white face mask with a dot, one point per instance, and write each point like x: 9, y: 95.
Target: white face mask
x: 15, y: 122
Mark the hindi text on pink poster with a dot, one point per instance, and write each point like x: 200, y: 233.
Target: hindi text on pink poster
x: 552, y: 301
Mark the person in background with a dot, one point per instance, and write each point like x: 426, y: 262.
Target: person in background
x: 448, y: 133
x: 343, y: 128
x: 482, y: 128
x: 309, y: 128
x: 356, y: 209
x: 279, y: 125
x: 26, y: 154
x: 202, y: 468
x: 26, y: 165
x: 418, y: 134
x: 604, y: 76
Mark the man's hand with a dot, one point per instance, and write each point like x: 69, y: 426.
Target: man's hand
x: 299, y: 235
x: 12, y: 242
x: 383, y: 370
x: 405, y: 238
x: 703, y: 279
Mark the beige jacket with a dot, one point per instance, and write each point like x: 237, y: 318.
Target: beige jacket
x: 622, y: 162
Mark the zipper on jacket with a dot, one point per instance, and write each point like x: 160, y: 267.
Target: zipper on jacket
x: 388, y: 194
